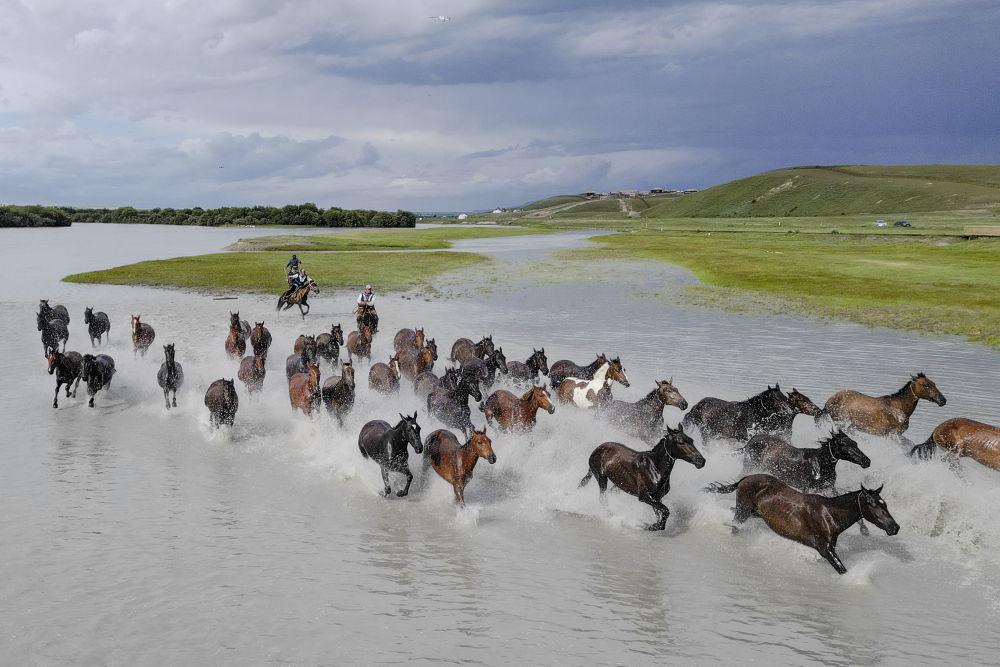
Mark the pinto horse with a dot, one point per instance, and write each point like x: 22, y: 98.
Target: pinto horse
x: 236, y: 341
x: 328, y: 344
x: 68, y: 369
x: 517, y: 414
x: 359, y: 343
x: 97, y: 372
x: 405, y: 338
x: 299, y: 297
x: 455, y: 461
x: 98, y: 324
x: 806, y: 469
x: 809, y: 519
x: 386, y: 445
x: 644, y: 418
x: 737, y: 420
x: 304, y: 390
x: 338, y: 392
x: 526, y: 372
x: 142, y: 336
x: 883, y: 415
x: 384, y: 378
x: 958, y: 437
x: 583, y: 393
x: 565, y: 368
x: 222, y: 403
x: 413, y: 361
x: 645, y: 475
x: 170, y: 376
x: 260, y: 340
x: 252, y: 372
x: 463, y: 348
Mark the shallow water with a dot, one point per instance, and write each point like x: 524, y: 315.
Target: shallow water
x: 132, y: 534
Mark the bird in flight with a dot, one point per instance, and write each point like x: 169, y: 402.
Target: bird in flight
x: 441, y: 19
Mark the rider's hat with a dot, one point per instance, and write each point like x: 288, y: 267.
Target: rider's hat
x: 368, y: 286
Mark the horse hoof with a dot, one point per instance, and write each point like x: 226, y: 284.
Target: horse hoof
x: 401, y: 493
x: 385, y: 492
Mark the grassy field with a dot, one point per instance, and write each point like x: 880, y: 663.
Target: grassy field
x: 264, y: 272
x: 378, y: 239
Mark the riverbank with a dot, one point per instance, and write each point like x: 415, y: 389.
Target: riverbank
x: 377, y: 239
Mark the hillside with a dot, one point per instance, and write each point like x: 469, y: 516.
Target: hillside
x: 818, y: 191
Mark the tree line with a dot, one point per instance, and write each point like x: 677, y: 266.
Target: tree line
x: 299, y: 215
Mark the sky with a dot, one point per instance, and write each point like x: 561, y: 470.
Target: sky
x: 375, y: 104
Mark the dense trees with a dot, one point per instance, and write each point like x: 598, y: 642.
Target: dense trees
x: 299, y: 215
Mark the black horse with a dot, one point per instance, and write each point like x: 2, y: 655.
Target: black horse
x: 97, y: 373
x: 487, y: 367
x: 386, y: 445
x: 68, y: 369
x: 328, y: 344
x: 427, y: 382
x: 644, y: 418
x: 53, y: 331
x: 170, y: 376
x: 645, y: 475
x: 527, y: 372
x: 451, y: 406
x: 780, y: 423
x: 57, y: 312
x: 98, y: 324
x: 805, y: 469
x: 737, y: 420
x: 222, y: 402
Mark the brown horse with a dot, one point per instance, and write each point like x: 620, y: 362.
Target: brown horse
x: 413, y: 361
x: 68, y: 369
x: 305, y: 354
x: 338, y: 392
x: 645, y: 475
x: 142, y: 336
x: 525, y: 373
x: 463, y: 348
x: 299, y: 298
x: 304, y: 390
x: 306, y: 346
x: 644, y: 418
x: 252, y: 372
x: 455, y: 461
x: 883, y: 415
x: 386, y: 445
x: 958, y: 437
x: 812, y: 520
x: 405, y: 338
x: 565, y: 368
x: 260, y: 339
x: 512, y: 413
x: 384, y: 378
x: 583, y: 393
x: 236, y: 341
x: 328, y: 344
x: 359, y: 343
x: 222, y: 403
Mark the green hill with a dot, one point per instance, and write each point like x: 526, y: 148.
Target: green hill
x: 819, y: 191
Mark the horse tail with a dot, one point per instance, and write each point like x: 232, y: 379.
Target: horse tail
x: 281, y: 300
x: 925, y: 449
x: 586, y: 478
x: 719, y: 487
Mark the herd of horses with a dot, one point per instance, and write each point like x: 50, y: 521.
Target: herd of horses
x: 782, y: 484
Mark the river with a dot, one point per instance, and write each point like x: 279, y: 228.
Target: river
x: 134, y: 535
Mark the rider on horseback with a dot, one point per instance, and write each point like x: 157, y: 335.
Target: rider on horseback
x: 366, y: 304
x: 297, y: 281
x: 293, y: 265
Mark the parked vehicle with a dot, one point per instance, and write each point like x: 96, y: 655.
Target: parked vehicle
x: 901, y: 223
x: 880, y: 223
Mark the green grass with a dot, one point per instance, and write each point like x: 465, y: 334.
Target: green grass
x: 934, y: 285
x: 264, y: 272
x: 378, y: 239
x: 559, y: 200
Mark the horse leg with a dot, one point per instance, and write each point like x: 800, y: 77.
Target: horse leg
x: 385, y: 480
x: 55, y: 399
x: 409, y: 480
x: 175, y: 397
x: 459, y: 493
x: 75, y: 385
x: 740, y: 514
x: 830, y: 554
x: 661, y: 511
x: 166, y: 396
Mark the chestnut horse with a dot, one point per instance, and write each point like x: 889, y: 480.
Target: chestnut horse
x: 142, y: 336
x: 645, y: 475
x: 359, y: 343
x: 463, y: 348
x: 386, y: 445
x: 524, y: 373
x: 236, y: 341
x: 252, y: 372
x: 958, y: 437
x: 300, y: 298
x: 583, y: 393
x: 384, y: 378
x: 812, y: 520
x: 260, y: 340
x: 328, y: 344
x: 644, y: 418
x: 405, y: 338
x: 565, y: 368
x: 455, y: 461
x: 304, y: 390
x: 413, y: 361
x: 737, y: 420
x: 98, y: 324
x: 67, y: 367
x: 512, y: 413
x: 812, y: 469
x: 170, y: 376
x: 338, y: 392
x: 883, y: 415
x: 222, y: 403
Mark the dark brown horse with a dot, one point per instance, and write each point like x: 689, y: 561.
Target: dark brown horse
x: 98, y: 324
x: 328, y: 344
x: 299, y: 297
x: 583, y: 393
x: 53, y: 330
x: 236, y: 341
x: 451, y: 405
x: 565, y: 368
x: 780, y: 423
x: 883, y: 415
x: 486, y: 369
x: 812, y: 520
x: 252, y: 372
x: 455, y: 461
x: 222, y: 403
x: 305, y: 354
x: 737, y: 420
x: 338, y: 392
x: 413, y: 361
x: 142, y: 336
x: 644, y: 418
x: 527, y: 372
x: 97, y: 372
x: 405, y: 338
x: 463, y: 348
x: 366, y: 316
x: 806, y: 469
x: 304, y: 390
x: 426, y: 381
x: 57, y: 312
x: 957, y: 437
x: 170, y: 376
x: 359, y: 344
x: 260, y: 340
x: 384, y: 378
x: 645, y: 475
x: 68, y: 369
x: 386, y: 445
x: 517, y: 414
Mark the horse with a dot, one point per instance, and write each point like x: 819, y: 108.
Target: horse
x: 455, y: 461
x: 57, y: 312
x: 97, y: 372
x: 252, y: 372
x: 512, y: 413
x: 170, y: 376
x: 523, y: 373
x: 366, y: 316
x: 426, y: 381
x: 883, y: 415
x: 304, y: 355
x: 809, y: 519
x: 338, y: 392
x: 328, y: 344
x: 780, y: 423
x: 805, y: 469
x: 463, y: 348
x: 486, y: 368
x: 413, y: 361
x: 645, y: 475
x: 386, y: 445
x: 53, y: 330
x: 737, y: 420
x: 299, y: 297
x: 98, y: 324
x: 260, y: 340
x: 142, y: 336
x: 451, y: 406
x: 960, y: 437
x: 583, y: 393
x: 644, y: 418
x: 405, y: 338
x: 67, y: 367
x: 307, y: 346
x: 359, y: 343
x: 565, y: 368
x: 222, y: 403
x: 384, y: 378
x: 304, y: 390
x: 236, y: 341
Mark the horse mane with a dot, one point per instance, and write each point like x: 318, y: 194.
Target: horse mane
x: 527, y: 396
x: 761, y: 398
x: 902, y: 390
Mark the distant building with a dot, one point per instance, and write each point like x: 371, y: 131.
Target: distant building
x: 463, y: 216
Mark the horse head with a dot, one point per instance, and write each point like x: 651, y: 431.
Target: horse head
x: 411, y: 431
x: 923, y: 387
x: 234, y: 320
x: 617, y: 373
x: 418, y: 337
x: 337, y: 333
x: 427, y: 355
x: 347, y: 373
x: 470, y: 384
x: 135, y: 323
x: 874, y: 509
x: 668, y: 394
x: 481, y: 444
x: 88, y: 314
x: 451, y: 378
x: 499, y: 360
x: 394, y: 365
x: 41, y: 321
x: 54, y: 357
x: 845, y: 448
x: 801, y: 404
x: 542, y: 398
x: 679, y: 445
x: 538, y: 361
x: 432, y: 346
x: 168, y: 352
